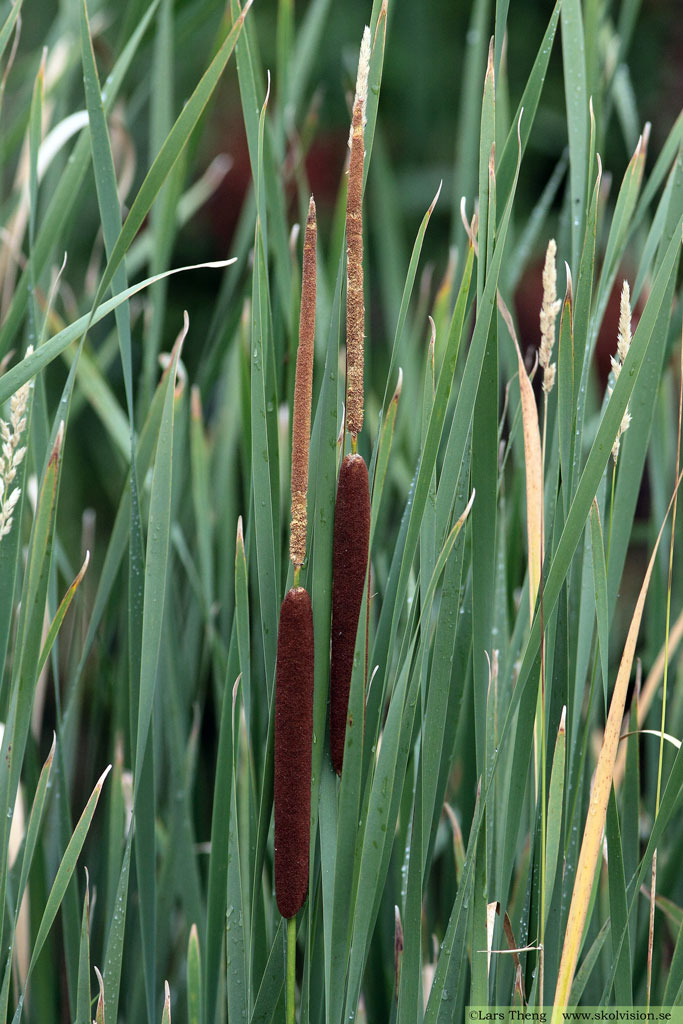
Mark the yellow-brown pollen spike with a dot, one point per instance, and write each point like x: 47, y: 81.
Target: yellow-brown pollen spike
x: 355, y: 308
x: 301, y: 419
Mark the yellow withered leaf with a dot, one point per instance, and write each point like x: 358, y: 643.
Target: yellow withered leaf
x: 597, y: 808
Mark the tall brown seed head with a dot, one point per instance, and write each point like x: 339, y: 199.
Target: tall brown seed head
x: 349, y: 566
x: 293, y: 742
x: 355, y: 307
x: 301, y: 428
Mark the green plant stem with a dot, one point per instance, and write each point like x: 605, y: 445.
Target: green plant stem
x: 611, y: 513
x: 544, y: 837
x: 291, y: 970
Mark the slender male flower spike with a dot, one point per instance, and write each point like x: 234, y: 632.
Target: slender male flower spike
x: 623, y: 345
x: 355, y: 311
x: 12, y: 455
x: 301, y: 427
x: 549, y: 310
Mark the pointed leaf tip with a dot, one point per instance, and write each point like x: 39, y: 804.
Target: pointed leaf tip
x: 435, y: 199
x: 399, y: 385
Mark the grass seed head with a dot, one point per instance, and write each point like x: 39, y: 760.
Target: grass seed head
x: 349, y: 566
x: 549, y: 310
x: 301, y: 428
x: 623, y: 345
x: 12, y: 455
x: 293, y: 742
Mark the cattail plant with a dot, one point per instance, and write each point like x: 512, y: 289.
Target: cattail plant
x: 352, y: 508
x: 294, y: 668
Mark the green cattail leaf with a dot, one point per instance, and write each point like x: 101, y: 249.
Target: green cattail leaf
x: 195, y: 1013
x: 99, y: 1012
x: 113, y: 957
x: 83, y: 994
x: 65, y: 870
x: 630, y: 810
x: 649, y: 251
x: 218, y: 862
x: 555, y: 806
x: 600, y: 585
x: 64, y: 606
x: 8, y: 25
x: 156, y: 561
x: 166, y: 1012
x: 201, y: 501
x: 242, y: 618
x: 667, y: 157
x: 446, y: 680
x: 348, y: 821
x: 272, y: 982
x: 323, y: 469
x: 565, y: 393
x: 674, y: 982
x: 487, y: 135
x: 383, y: 453
x: 588, y: 964
x: 576, y: 99
x: 263, y: 456
x: 581, y: 320
x: 623, y: 982
x: 378, y: 29
x: 236, y: 938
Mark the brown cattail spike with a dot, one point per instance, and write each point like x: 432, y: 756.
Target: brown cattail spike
x: 293, y: 741
x: 350, y: 560
x: 301, y: 429
x: 355, y: 308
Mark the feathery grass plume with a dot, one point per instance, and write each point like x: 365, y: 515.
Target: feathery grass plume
x: 355, y: 310
x: 12, y: 455
x: 349, y: 565
x: 549, y: 310
x: 293, y: 735
x: 623, y: 345
x: 301, y: 427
